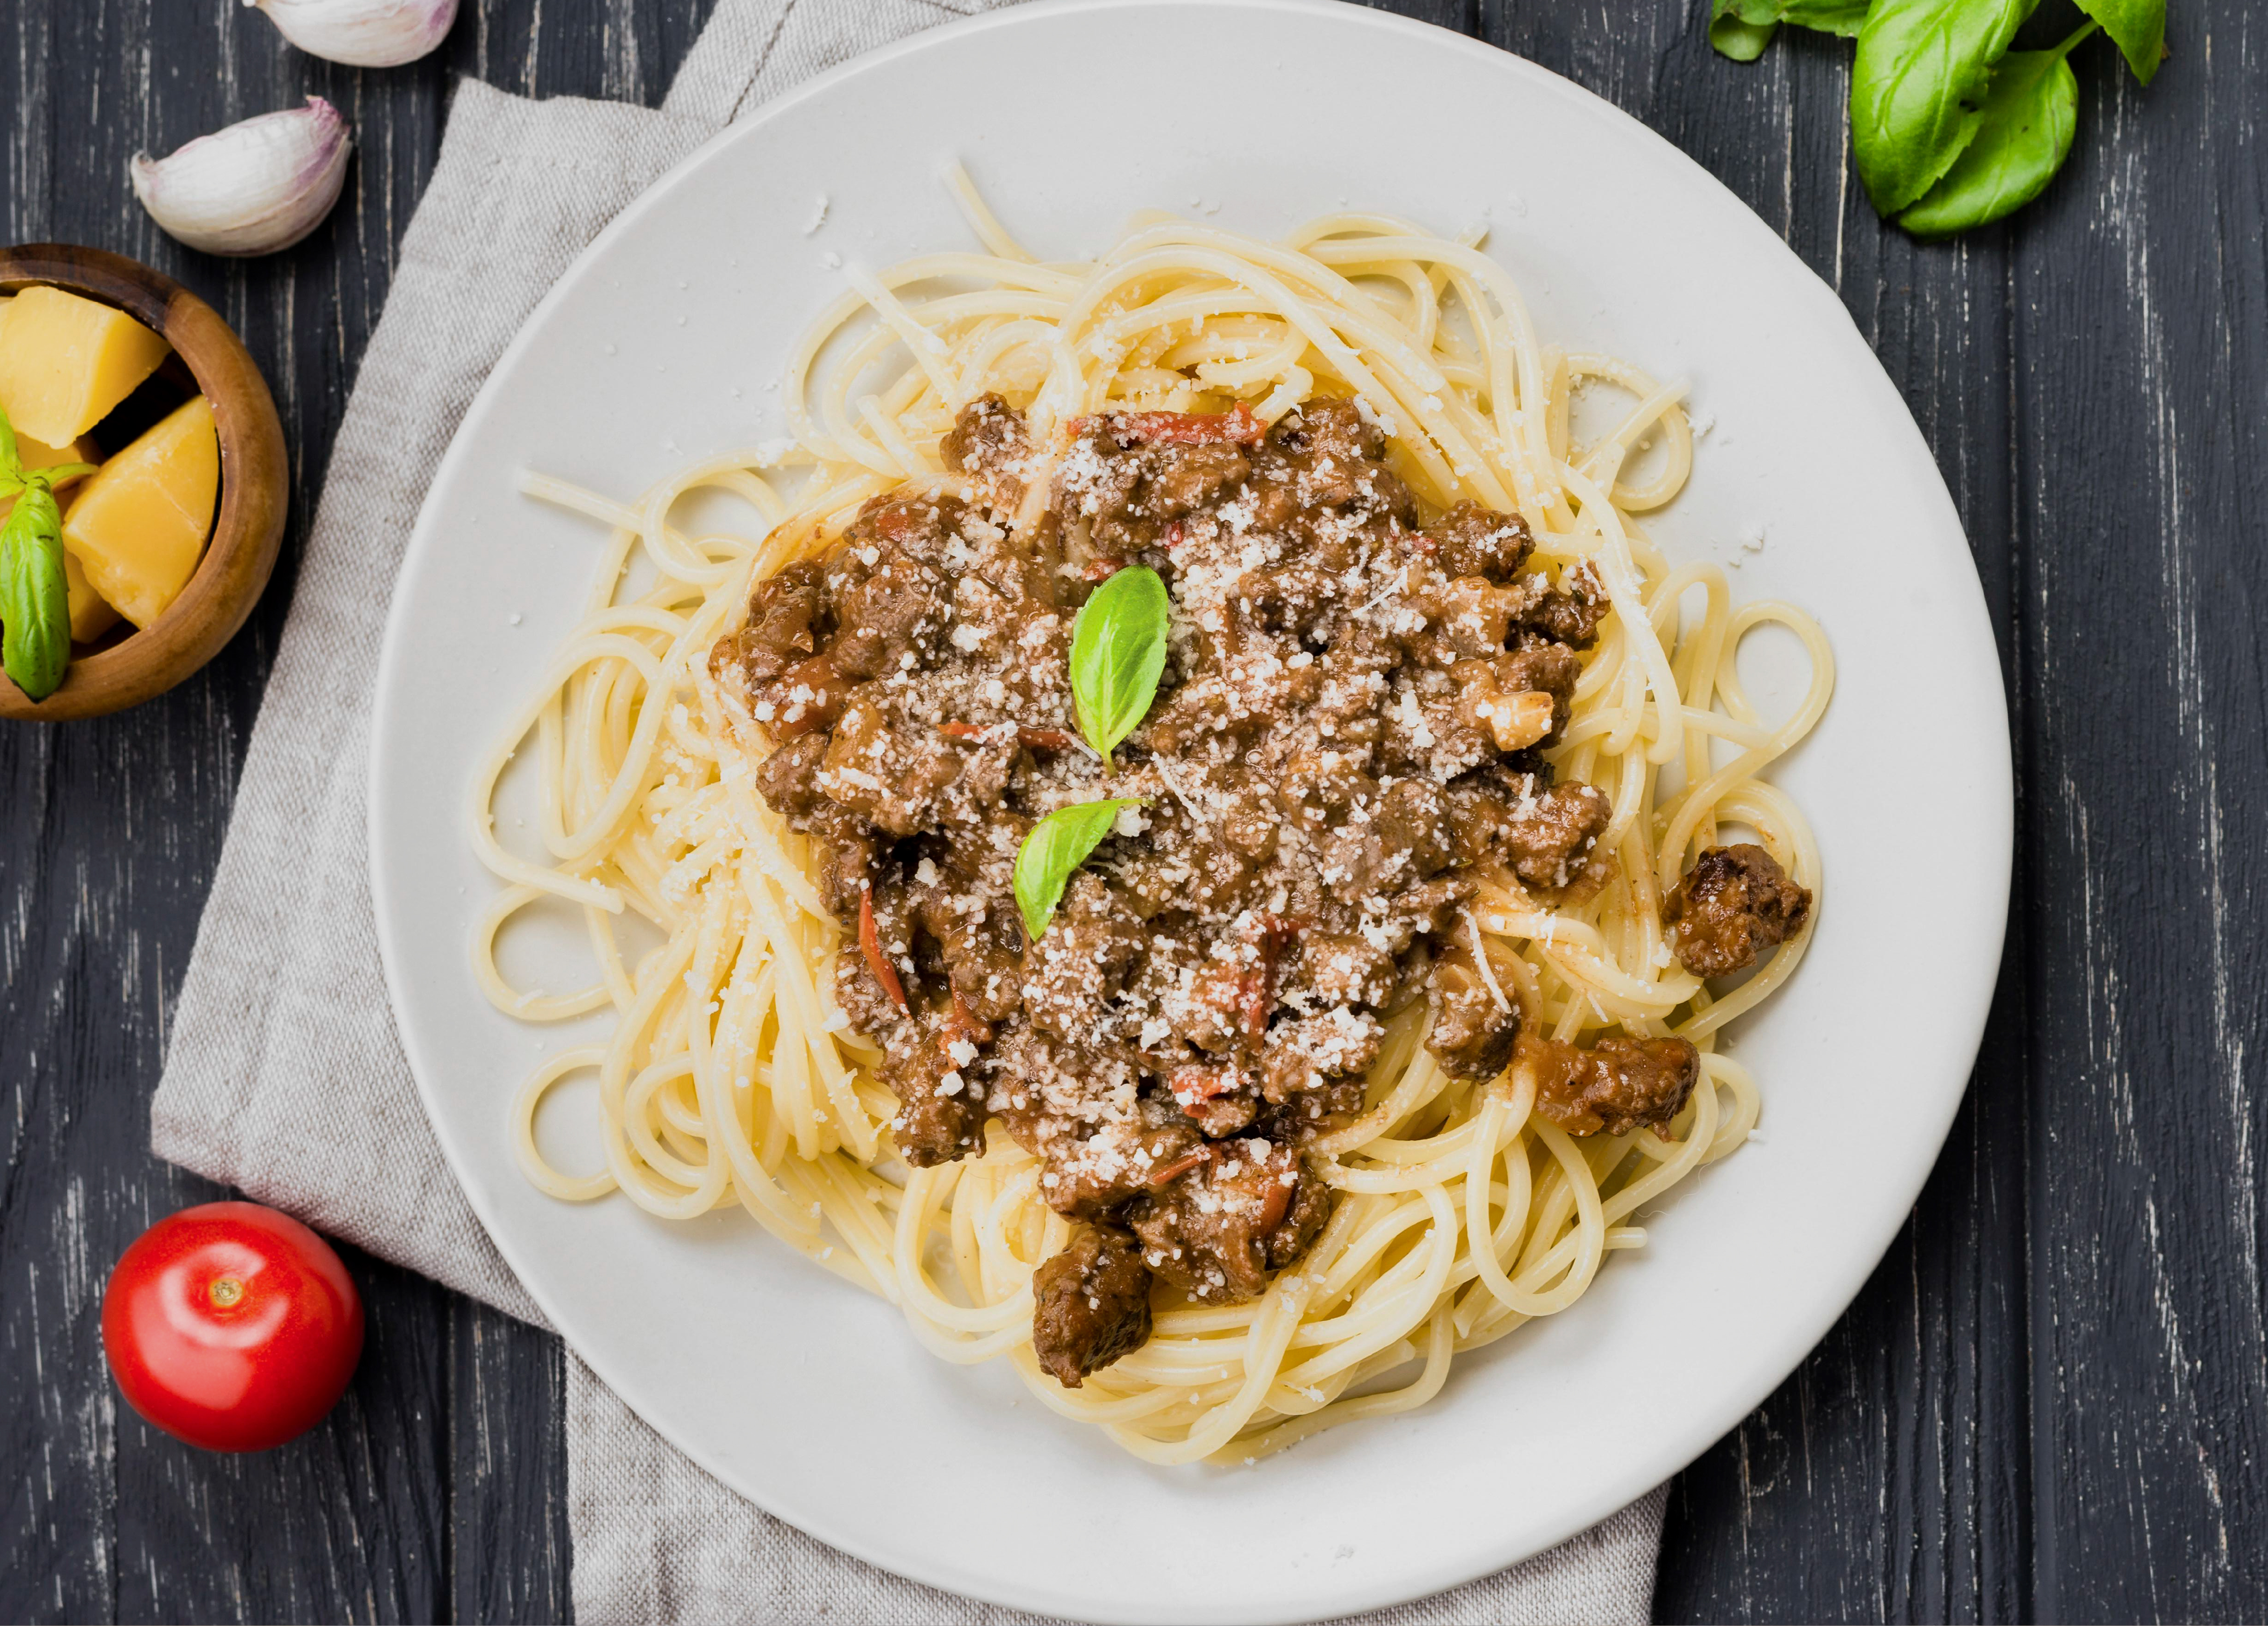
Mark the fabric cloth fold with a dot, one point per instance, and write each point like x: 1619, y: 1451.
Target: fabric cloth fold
x: 285, y: 1076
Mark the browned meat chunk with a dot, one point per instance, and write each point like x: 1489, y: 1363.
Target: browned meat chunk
x: 990, y: 443
x: 940, y: 1108
x: 1073, y: 971
x: 1094, y: 1176
x: 1553, y: 840
x: 785, y: 612
x: 788, y: 779
x: 1733, y: 904
x: 1619, y: 1086
x: 1305, y: 1052
x: 1476, y: 1017
x: 1217, y: 1229
x: 1091, y: 1304
x: 903, y: 780
x: 1473, y: 542
x: 1539, y: 665
x: 1545, y: 834
x: 887, y: 579
x: 1572, y: 611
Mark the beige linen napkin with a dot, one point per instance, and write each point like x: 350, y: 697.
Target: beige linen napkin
x: 285, y: 1076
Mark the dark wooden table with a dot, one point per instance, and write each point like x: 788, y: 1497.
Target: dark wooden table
x: 2051, y: 1401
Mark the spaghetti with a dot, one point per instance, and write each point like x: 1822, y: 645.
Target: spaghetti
x: 731, y: 1075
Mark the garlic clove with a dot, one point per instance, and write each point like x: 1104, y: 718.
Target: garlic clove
x: 252, y: 187
x: 361, y: 33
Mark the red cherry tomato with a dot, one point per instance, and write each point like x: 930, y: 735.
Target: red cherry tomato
x: 231, y: 1325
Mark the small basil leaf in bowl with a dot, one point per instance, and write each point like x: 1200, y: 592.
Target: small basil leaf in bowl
x: 1052, y: 853
x: 1117, y: 654
x: 34, y: 599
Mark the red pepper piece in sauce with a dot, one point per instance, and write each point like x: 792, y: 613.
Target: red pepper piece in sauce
x: 1273, y: 1205
x: 870, y: 943
x: 1236, y: 427
x: 1165, y: 1173
x: 1102, y: 570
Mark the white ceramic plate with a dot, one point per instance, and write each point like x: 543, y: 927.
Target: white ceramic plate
x: 663, y: 342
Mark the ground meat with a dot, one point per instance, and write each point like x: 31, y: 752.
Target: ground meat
x: 1474, y: 1018
x: 941, y: 1112
x: 1571, y: 612
x: 990, y: 443
x: 1619, y: 1086
x: 1345, y: 741
x: 1091, y: 1304
x: 1219, y: 1230
x: 1733, y: 904
x: 1476, y: 541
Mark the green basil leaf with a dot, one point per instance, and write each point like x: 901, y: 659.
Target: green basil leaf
x: 1921, y: 67
x: 1117, y: 653
x: 1741, y: 29
x: 2139, y: 28
x: 1734, y: 36
x: 1058, y: 845
x: 11, y: 462
x: 1742, y: 42
x: 2028, y: 116
x: 1836, y: 16
x: 1841, y: 17
x: 34, y: 600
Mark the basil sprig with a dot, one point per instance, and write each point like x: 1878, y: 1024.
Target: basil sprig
x: 34, y: 597
x: 1052, y: 853
x: 1949, y: 128
x: 1117, y: 654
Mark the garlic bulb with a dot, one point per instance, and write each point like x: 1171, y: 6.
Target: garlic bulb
x: 252, y: 187
x: 361, y: 33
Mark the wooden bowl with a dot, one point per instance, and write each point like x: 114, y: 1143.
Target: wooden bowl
x: 254, y: 485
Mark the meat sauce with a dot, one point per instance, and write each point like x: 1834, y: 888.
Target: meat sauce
x: 1346, y: 740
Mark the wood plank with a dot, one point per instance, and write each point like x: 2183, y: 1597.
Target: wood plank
x: 2139, y: 353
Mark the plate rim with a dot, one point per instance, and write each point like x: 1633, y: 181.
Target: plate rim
x: 1701, y: 1427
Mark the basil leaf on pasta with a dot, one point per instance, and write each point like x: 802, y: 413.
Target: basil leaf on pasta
x: 1117, y: 654
x: 1056, y: 846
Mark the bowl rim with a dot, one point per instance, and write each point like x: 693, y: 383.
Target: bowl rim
x: 247, y: 531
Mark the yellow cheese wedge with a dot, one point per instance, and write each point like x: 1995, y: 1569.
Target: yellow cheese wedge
x: 64, y: 361
x: 39, y: 454
x: 139, y: 524
x: 91, y: 616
